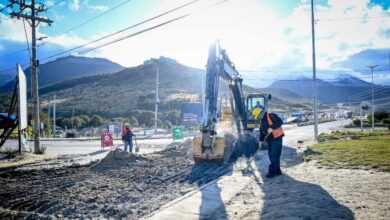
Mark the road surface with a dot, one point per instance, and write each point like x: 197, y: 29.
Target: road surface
x: 305, y: 191
x: 66, y: 147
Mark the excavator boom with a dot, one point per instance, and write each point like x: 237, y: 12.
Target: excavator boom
x: 211, y: 147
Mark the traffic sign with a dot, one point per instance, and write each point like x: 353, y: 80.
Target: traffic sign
x: 177, y: 132
x: 106, y: 140
x: 365, y: 105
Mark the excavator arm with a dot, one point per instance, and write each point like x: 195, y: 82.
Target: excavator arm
x: 210, y: 147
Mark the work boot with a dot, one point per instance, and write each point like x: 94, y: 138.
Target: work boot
x: 271, y: 175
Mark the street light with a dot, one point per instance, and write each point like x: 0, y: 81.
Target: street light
x: 372, y: 95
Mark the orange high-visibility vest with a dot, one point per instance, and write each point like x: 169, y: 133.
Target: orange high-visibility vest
x: 278, y: 131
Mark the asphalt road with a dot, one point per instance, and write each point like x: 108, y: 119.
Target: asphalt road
x: 306, y: 133
x: 66, y: 147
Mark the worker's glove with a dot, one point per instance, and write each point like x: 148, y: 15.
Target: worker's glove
x: 270, y: 130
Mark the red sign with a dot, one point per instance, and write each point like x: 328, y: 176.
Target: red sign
x: 106, y: 139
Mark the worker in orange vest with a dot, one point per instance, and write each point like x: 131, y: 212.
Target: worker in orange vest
x: 271, y: 135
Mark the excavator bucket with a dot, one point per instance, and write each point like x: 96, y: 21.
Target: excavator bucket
x: 221, y: 147
x: 220, y: 151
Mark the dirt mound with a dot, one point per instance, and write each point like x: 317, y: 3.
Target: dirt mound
x: 118, y: 159
x: 120, y: 186
x: 178, y: 149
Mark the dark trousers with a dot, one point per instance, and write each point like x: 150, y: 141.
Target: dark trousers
x: 129, y: 144
x: 274, y: 152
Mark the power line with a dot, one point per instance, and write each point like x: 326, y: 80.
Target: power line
x: 368, y: 92
x: 75, y: 27
x: 306, y: 70
x: 12, y: 53
x: 303, y: 9
x: 133, y: 34
x: 85, y: 22
x: 352, y: 18
x: 117, y: 32
x: 27, y: 41
x: 144, y: 30
x: 122, y: 30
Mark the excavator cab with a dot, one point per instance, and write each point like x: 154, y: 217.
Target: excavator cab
x: 255, y: 104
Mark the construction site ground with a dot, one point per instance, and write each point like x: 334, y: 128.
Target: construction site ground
x: 166, y: 184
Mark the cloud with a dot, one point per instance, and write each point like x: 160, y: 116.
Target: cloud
x: 255, y: 36
x: 98, y: 7
x: 95, y: 7
x: 62, y: 3
x: 49, y: 3
x: 74, y: 5
x: 365, y: 58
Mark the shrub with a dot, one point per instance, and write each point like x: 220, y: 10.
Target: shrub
x: 386, y: 121
x: 356, y: 122
x: 42, y: 149
x: 381, y: 114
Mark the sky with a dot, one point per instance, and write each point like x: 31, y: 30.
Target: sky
x: 266, y: 39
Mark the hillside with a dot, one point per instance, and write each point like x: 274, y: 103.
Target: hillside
x: 6, y: 77
x: 67, y: 68
x: 116, y: 94
x: 131, y: 88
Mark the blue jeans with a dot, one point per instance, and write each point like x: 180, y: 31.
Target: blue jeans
x: 129, y: 144
x: 274, y: 153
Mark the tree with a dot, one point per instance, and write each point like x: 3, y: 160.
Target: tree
x: 134, y: 122
x: 167, y: 125
x: 85, y: 120
x: 96, y: 120
x: 381, y: 114
x: 174, y: 117
x: 77, y: 122
x: 66, y: 122
x: 146, y: 117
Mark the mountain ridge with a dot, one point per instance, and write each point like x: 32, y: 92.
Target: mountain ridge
x: 66, y: 68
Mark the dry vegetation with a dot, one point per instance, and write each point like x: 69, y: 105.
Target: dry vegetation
x: 367, y: 150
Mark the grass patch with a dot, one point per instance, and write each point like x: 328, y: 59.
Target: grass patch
x: 356, y: 150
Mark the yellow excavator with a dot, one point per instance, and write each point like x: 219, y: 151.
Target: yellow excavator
x: 243, y: 113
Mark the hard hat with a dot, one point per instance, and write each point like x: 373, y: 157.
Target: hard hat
x: 256, y: 112
x: 127, y: 125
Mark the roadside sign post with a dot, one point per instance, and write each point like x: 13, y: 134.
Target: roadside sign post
x: 22, y: 103
x: 177, y: 132
x: 106, y: 140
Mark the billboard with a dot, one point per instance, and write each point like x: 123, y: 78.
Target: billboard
x: 22, y: 98
x: 191, y: 114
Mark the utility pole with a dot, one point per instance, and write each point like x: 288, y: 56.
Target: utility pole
x: 72, y: 117
x: 54, y: 114
x: 314, y: 73
x: 372, y: 96
x: 203, y: 91
x: 34, y: 21
x: 157, y: 62
x: 48, y: 124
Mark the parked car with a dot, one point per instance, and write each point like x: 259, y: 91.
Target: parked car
x: 58, y: 134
